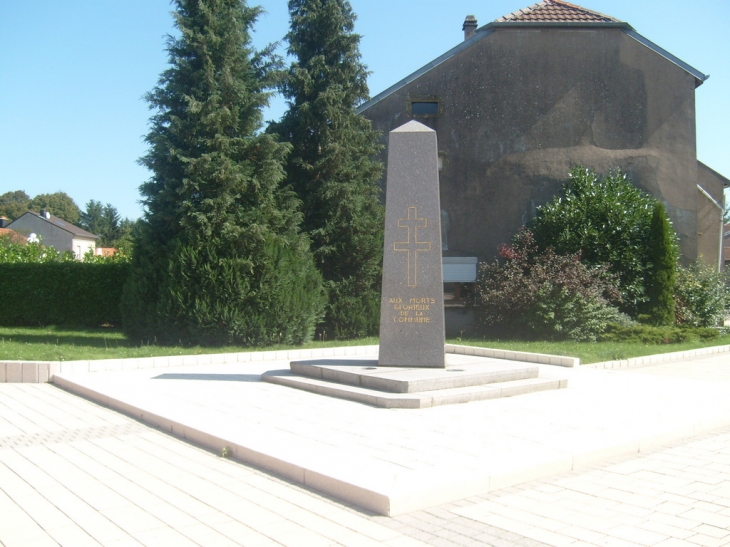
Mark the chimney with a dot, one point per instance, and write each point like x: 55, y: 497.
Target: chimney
x: 45, y: 214
x: 4, y: 221
x: 470, y: 26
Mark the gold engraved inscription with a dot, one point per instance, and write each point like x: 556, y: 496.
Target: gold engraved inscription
x: 412, y: 245
x: 411, y: 310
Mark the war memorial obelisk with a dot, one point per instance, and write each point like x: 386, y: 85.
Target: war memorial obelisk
x: 412, y: 301
x: 413, y: 370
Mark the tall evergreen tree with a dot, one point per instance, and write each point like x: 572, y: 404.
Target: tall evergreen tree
x: 662, y: 267
x: 331, y: 166
x: 218, y: 257
x: 102, y: 220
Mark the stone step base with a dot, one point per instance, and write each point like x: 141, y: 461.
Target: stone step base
x: 460, y: 371
x: 424, y: 399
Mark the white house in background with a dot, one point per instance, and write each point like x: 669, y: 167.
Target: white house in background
x: 55, y: 232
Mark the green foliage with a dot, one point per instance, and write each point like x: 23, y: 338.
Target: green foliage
x: 331, y: 166
x: 219, y: 239
x: 120, y: 256
x: 542, y: 294
x: 42, y: 286
x: 61, y: 292
x: 275, y: 299
x: 649, y: 334
x: 607, y: 220
x: 701, y: 294
x: 30, y: 253
x: 14, y: 204
x: 594, y: 352
x: 59, y: 204
x: 660, y: 273
x: 103, y: 221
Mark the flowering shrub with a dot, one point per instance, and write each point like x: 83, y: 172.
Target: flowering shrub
x: 532, y: 293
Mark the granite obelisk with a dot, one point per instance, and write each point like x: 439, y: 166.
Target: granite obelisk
x: 412, y: 302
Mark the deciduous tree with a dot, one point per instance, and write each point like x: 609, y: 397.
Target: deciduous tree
x: 59, y: 204
x: 606, y: 219
x: 14, y: 204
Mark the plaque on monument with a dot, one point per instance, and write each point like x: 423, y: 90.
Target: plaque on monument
x: 412, y: 302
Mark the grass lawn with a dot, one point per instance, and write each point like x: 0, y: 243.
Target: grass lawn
x: 594, y: 352
x: 65, y: 344
x: 69, y: 344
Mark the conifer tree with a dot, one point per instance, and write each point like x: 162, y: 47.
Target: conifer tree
x: 102, y: 220
x: 219, y: 257
x: 331, y: 166
x: 661, y: 271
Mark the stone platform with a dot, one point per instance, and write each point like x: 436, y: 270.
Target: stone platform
x: 465, y: 378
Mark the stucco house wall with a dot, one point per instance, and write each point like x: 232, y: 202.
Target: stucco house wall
x: 55, y: 232
x: 710, y: 208
x: 519, y: 105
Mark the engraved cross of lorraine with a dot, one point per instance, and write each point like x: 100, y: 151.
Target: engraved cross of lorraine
x: 415, y: 246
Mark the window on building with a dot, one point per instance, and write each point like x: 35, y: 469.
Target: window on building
x: 425, y: 109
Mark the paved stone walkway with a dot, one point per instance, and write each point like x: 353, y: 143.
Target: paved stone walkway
x: 676, y: 496
x: 74, y: 473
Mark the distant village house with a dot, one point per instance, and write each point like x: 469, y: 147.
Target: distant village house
x: 55, y: 232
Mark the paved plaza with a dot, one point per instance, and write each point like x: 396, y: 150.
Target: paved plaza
x: 619, y: 458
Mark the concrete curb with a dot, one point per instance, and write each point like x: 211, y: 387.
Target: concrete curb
x: 659, y: 358
x: 43, y: 371
x: 39, y: 372
x: 539, y: 358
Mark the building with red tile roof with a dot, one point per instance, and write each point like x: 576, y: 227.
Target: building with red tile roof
x: 528, y: 96
x: 555, y: 11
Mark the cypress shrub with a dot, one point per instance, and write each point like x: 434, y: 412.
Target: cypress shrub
x: 211, y: 299
x: 218, y: 257
x: 662, y: 257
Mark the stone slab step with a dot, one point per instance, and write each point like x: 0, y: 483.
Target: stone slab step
x: 460, y: 371
x: 424, y: 399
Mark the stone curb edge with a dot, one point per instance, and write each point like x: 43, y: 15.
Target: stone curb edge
x: 538, y: 358
x: 43, y: 371
x: 659, y: 358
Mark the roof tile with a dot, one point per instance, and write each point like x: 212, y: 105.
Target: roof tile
x: 555, y: 11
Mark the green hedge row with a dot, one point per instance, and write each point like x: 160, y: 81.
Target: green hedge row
x: 61, y: 293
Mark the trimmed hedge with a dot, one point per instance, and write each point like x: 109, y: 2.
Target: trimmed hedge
x: 61, y: 293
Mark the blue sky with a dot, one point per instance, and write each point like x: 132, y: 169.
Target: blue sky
x: 73, y: 74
